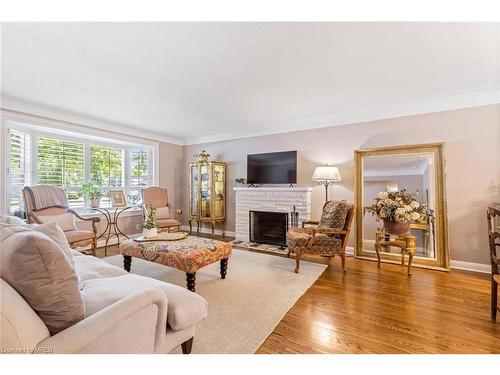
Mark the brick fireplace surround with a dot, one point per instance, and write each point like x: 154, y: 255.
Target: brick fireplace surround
x: 272, y: 199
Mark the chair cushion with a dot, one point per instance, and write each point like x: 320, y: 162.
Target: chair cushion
x: 184, y: 309
x: 162, y: 213
x: 65, y: 221
x: 88, y: 267
x: 163, y: 223
x: 298, y: 237
x: 334, y: 214
x: 78, y: 235
x: 325, y: 245
x: 36, y: 267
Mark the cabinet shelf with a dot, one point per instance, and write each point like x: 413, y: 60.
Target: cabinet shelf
x: 207, y: 193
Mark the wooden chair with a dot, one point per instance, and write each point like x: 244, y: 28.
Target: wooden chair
x: 328, y: 237
x: 158, y: 197
x: 43, y: 200
x: 494, y: 239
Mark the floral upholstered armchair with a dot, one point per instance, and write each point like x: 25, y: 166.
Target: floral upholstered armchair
x: 44, y: 204
x: 326, y: 237
x: 167, y: 217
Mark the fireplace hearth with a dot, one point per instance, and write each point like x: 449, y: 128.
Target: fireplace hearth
x: 268, y: 227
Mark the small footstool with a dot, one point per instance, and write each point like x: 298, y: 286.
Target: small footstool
x: 188, y: 255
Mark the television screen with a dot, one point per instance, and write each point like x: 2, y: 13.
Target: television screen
x: 272, y: 168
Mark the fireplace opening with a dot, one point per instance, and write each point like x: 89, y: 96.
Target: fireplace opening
x: 268, y: 227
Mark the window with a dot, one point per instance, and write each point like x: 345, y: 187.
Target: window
x: 106, y: 166
x: 61, y: 163
x: 37, y: 157
x: 19, y: 167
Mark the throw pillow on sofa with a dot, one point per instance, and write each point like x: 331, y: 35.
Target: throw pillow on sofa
x: 36, y: 267
x: 55, y: 233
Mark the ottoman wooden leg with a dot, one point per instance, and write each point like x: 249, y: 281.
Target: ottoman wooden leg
x: 223, y: 268
x: 127, y: 262
x: 191, y: 281
x: 187, y: 346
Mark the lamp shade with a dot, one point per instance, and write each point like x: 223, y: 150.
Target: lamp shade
x: 326, y: 173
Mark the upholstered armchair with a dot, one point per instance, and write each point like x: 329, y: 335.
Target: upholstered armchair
x: 326, y: 237
x: 167, y: 217
x: 44, y: 203
x: 494, y: 239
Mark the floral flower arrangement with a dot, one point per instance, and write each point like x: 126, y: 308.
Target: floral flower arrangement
x: 397, y: 206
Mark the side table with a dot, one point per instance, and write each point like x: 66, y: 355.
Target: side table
x: 406, y: 242
x: 112, y: 229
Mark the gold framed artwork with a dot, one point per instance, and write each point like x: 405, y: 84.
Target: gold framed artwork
x: 414, y: 169
x: 117, y: 198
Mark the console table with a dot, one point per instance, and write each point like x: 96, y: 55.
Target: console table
x: 407, y: 243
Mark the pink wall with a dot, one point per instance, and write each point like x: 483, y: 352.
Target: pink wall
x: 472, y: 139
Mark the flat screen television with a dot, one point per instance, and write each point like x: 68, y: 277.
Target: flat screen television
x: 272, y: 168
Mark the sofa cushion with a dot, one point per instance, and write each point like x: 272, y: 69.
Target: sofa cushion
x: 65, y: 221
x: 21, y: 327
x: 13, y: 220
x: 36, y: 267
x: 88, y: 267
x: 184, y: 309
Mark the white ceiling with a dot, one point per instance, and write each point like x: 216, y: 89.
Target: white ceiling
x: 197, y: 82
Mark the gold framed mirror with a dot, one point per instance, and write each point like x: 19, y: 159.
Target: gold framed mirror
x: 384, y: 176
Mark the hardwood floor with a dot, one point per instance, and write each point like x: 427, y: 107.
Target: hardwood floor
x: 383, y: 311
x: 368, y: 310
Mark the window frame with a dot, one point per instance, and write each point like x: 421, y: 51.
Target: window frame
x: 72, y: 133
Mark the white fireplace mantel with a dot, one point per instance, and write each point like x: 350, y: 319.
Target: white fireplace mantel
x: 270, y: 198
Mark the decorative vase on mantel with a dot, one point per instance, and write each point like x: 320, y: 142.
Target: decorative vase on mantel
x: 395, y: 228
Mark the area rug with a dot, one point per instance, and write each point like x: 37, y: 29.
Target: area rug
x: 244, y: 308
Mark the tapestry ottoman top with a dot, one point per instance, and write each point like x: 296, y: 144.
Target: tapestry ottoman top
x: 188, y: 255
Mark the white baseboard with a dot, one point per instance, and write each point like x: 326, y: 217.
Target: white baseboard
x: 469, y: 266
x: 208, y: 231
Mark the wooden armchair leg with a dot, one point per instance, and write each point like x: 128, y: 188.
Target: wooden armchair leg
x: 342, y: 259
x: 297, y: 260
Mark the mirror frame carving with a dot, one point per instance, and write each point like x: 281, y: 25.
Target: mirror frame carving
x: 442, y: 248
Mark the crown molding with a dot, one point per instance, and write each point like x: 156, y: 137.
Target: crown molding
x: 21, y: 108
x: 437, y: 103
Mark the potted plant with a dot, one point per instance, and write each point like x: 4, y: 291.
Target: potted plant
x: 91, y: 192
x: 397, y: 209
x: 150, y: 229
x: 202, y: 156
x: 239, y: 181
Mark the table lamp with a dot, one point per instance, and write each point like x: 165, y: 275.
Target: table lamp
x: 326, y: 176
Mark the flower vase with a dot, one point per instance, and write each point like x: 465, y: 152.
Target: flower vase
x: 150, y: 233
x: 398, y: 229
x: 94, y: 202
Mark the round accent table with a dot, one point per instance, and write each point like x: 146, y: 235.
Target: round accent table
x: 112, y: 229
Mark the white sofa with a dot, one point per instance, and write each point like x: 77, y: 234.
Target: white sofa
x: 125, y: 313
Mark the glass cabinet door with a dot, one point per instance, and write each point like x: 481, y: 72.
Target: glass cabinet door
x: 205, y: 189
x: 194, y: 190
x: 219, y: 189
